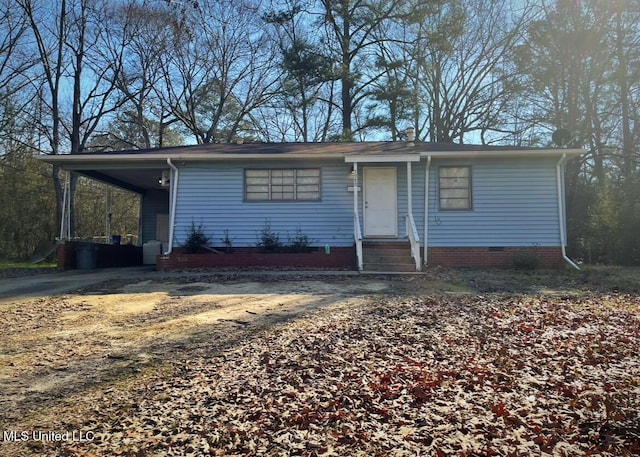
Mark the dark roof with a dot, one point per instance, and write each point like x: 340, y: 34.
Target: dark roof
x: 372, y: 147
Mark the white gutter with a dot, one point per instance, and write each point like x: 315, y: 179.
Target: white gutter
x: 426, y: 209
x: 561, y: 219
x: 172, y: 208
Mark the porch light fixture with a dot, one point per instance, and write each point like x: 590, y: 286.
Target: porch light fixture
x: 164, y: 179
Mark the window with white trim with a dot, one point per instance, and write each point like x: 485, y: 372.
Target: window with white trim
x: 455, y: 188
x: 282, y: 184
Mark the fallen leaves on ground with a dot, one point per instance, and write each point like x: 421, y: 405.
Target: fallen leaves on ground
x: 436, y: 376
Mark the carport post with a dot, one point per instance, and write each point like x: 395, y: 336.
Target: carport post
x: 65, y: 217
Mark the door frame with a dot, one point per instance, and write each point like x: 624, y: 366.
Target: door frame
x: 392, y: 180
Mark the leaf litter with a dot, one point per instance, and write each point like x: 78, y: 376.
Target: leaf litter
x: 437, y: 375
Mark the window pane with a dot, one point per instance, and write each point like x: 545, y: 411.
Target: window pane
x: 257, y: 181
x: 313, y: 188
x: 308, y: 180
x: 454, y: 183
x: 280, y: 189
x: 455, y: 188
x: 282, y: 184
x: 454, y: 172
x: 454, y: 203
x: 256, y: 173
x: 257, y: 196
x: 308, y: 172
x: 454, y: 193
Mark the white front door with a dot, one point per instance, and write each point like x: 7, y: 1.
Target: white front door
x: 380, y: 211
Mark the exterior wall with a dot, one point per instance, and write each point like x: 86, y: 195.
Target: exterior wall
x: 514, y: 203
x: 213, y: 195
x: 154, y: 202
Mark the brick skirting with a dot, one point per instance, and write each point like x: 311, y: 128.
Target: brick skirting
x: 107, y: 255
x: 338, y: 258
x: 484, y: 257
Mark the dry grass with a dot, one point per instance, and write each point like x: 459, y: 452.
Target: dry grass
x: 501, y: 363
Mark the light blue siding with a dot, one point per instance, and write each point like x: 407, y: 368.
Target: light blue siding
x: 154, y: 202
x: 213, y: 195
x: 515, y: 203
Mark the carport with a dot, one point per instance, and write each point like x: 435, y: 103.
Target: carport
x: 141, y: 173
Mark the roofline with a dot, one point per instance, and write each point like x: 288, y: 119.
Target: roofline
x: 208, y: 157
x: 504, y: 153
x: 69, y: 159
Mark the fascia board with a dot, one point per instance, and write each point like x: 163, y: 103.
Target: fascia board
x: 63, y: 159
x: 505, y: 153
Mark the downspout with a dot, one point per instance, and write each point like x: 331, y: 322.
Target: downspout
x: 561, y: 219
x: 426, y: 209
x: 172, y: 208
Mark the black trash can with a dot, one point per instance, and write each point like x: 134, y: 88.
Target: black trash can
x: 86, y: 256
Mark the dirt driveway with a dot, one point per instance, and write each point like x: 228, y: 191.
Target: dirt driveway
x: 63, y: 334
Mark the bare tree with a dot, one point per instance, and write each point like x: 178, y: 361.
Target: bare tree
x: 353, y: 31
x: 215, y: 78
x: 13, y: 63
x: 307, y: 77
x: 75, y: 49
x: 146, y: 37
x: 460, y: 68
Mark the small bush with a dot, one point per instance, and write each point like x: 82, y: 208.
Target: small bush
x: 526, y: 262
x: 227, y: 242
x: 269, y: 240
x: 299, y: 243
x: 196, y: 238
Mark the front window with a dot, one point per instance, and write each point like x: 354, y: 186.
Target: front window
x: 285, y: 184
x: 455, y: 188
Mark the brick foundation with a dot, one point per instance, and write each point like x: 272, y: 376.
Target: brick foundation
x: 338, y: 259
x: 108, y: 255
x: 484, y: 257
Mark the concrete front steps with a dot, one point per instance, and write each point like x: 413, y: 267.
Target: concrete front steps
x: 387, y: 256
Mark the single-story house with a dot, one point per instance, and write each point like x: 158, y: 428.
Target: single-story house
x: 379, y: 205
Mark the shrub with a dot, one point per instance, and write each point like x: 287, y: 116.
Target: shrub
x: 195, y: 238
x: 526, y: 261
x: 269, y: 240
x: 299, y: 243
x: 227, y: 241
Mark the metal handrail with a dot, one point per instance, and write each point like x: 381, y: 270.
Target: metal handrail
x: 357, y: 234
x: 414, y: 239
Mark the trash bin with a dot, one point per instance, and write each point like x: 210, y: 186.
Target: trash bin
x: 86, y: 256
x: 116, y: 239
x: 150, y: 250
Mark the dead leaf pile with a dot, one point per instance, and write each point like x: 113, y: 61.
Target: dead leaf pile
x: 433, y: 376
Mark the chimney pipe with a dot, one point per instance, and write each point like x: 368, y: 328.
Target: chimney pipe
x: 410, y: 136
